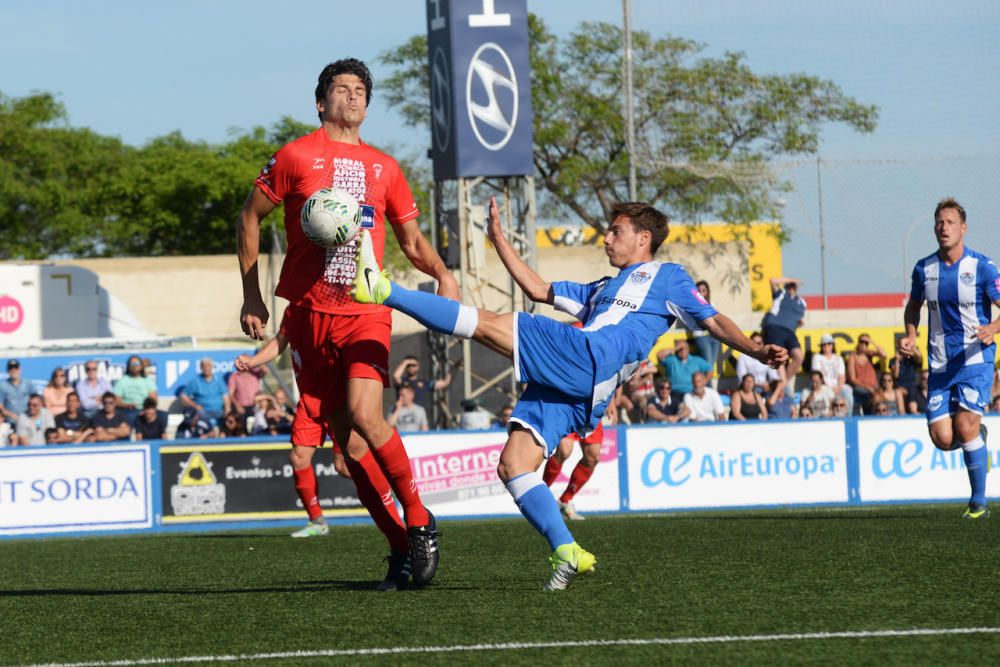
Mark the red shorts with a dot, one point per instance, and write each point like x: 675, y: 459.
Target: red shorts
x: 595, y: 438
x: 327, y: 350
x: 309, y: 427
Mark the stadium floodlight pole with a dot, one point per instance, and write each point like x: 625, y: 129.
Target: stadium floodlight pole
x: 629, y: 112
x: 822, y: 236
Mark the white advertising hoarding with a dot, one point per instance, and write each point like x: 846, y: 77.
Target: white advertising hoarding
x: 456, y: 474
x: 732, y: 465
x: 63, y: 489
x: 897, y: 461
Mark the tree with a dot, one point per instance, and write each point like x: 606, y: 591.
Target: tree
x: 706, y: 128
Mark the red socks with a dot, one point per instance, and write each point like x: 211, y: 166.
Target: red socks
x: 396, y: 464
x: 375, y: 494
x: 305, y: 485
x: 581, y: 474
x: 552, y: 469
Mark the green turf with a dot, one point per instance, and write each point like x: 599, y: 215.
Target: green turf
x: 67, y: 600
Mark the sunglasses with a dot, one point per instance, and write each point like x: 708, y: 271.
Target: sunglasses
x: 90, y: 368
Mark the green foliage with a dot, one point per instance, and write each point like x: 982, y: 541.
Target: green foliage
x: 705, y: 127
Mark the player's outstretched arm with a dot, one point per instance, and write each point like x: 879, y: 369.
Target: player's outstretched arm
x: 423, y: 256
x: 530, y: 282
x: 253, y: 315
x: 725, y: 330
x: 265, y: 355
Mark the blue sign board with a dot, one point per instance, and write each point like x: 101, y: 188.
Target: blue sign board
x: 480, y: 86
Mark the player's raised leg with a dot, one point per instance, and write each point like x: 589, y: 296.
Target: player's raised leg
x: 372, y: 285
x: 519, y: 462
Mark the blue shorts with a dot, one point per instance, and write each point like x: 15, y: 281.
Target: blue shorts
x: 969, y: 389
x: 554, y: 360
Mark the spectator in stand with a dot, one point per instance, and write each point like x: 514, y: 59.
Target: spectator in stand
x: 679, y: 366
x: 271, y: 417
x: 110, y: 424
x: 194, y: 426
x: 640, y: 389
x: 473, y: 417
x: 708, y: 348
x: 806, y: 412
x: 233, y: 426
x: 890, y: 394
x: 244, y: 385
x: 72, y: 425
x: 133, y: 388
x: 51, y: 436
x: 840, y: 407
x: 861, y: 374
x: 667, y: 406
x: 704, y: 402
x: 818, y: 396
x: 503, y: 417
x: 56, y: 391
x: 779, y: 404
x: 763, y: 375
x: 408, y: 372
x: 906, y: 370
x: 14, y: 393
x: 746, y: 402
x: 32, y: 424
x: 151, y: 422
x: 91, y: 388
x: 779, y: 324
x: 207, y: 393
x: 995, y: 404
x: 831, y: 365
x: 406, y: 415
x: 996, y: 382
x: 916, y: 402
x: 881, y: 409
x: 283, y: 405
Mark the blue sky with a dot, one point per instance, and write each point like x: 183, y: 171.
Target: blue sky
x: 142, y: 69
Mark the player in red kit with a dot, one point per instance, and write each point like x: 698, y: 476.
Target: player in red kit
x: 590, y: 447
x: 330, y: 331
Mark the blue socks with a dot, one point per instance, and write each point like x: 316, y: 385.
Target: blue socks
x: 539, y: 507
x: 434, y: 312
x: 975, y: 454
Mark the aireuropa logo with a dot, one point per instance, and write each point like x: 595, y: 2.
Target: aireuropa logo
x: 675, y: 467
x: 491, y: 74
x: 907, y: 458
x: 441, y: 100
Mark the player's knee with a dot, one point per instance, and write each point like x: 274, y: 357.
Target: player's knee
x: 300, y: 457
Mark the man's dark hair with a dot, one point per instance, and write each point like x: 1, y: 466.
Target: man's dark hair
x: 150, y: 402
x: 344, y: 66
x: 950, y: 202
x: 644, y: 218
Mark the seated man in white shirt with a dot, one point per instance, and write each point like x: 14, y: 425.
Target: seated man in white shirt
x: 704, y: 403
x: 762, y: 373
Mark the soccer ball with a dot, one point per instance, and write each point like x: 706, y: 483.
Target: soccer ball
x: 331, y: 217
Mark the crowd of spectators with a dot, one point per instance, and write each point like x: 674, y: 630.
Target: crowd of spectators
x: 128, y: 409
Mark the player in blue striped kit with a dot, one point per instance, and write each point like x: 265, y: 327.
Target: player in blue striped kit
x: 958, y: 285
x: 570, y: 373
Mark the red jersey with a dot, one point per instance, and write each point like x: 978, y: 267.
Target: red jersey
x: 321, y: 278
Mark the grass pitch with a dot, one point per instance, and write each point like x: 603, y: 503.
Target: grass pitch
x: 691, y: 575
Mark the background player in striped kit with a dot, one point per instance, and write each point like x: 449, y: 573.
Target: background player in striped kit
x: 958, y: 285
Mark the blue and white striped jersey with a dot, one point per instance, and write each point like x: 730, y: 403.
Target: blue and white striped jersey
x: 958, y: 300
x: 624, y: 316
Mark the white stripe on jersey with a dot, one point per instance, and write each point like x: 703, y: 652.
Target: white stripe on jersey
x: 568, y: 305
x: 605, y: 389
x: 935, y: 332
x: 776, y: 306
x: 630, y: 292
x: 967, y: 308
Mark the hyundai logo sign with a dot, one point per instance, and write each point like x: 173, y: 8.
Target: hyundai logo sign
x: 491, y: 96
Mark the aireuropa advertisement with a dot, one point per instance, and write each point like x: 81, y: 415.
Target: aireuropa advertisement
x: 898, y: 462
x: 75, y: 489
x: 737, y: 465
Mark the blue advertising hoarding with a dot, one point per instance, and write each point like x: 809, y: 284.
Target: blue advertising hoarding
x: 480, y: 88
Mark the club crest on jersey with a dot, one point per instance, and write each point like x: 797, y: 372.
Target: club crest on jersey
x: 935, y: 401
x: 967, y: 278
x: 378, y: 170
x: 640, y: 277
x: 319, y: 163
x: 367, y: 216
